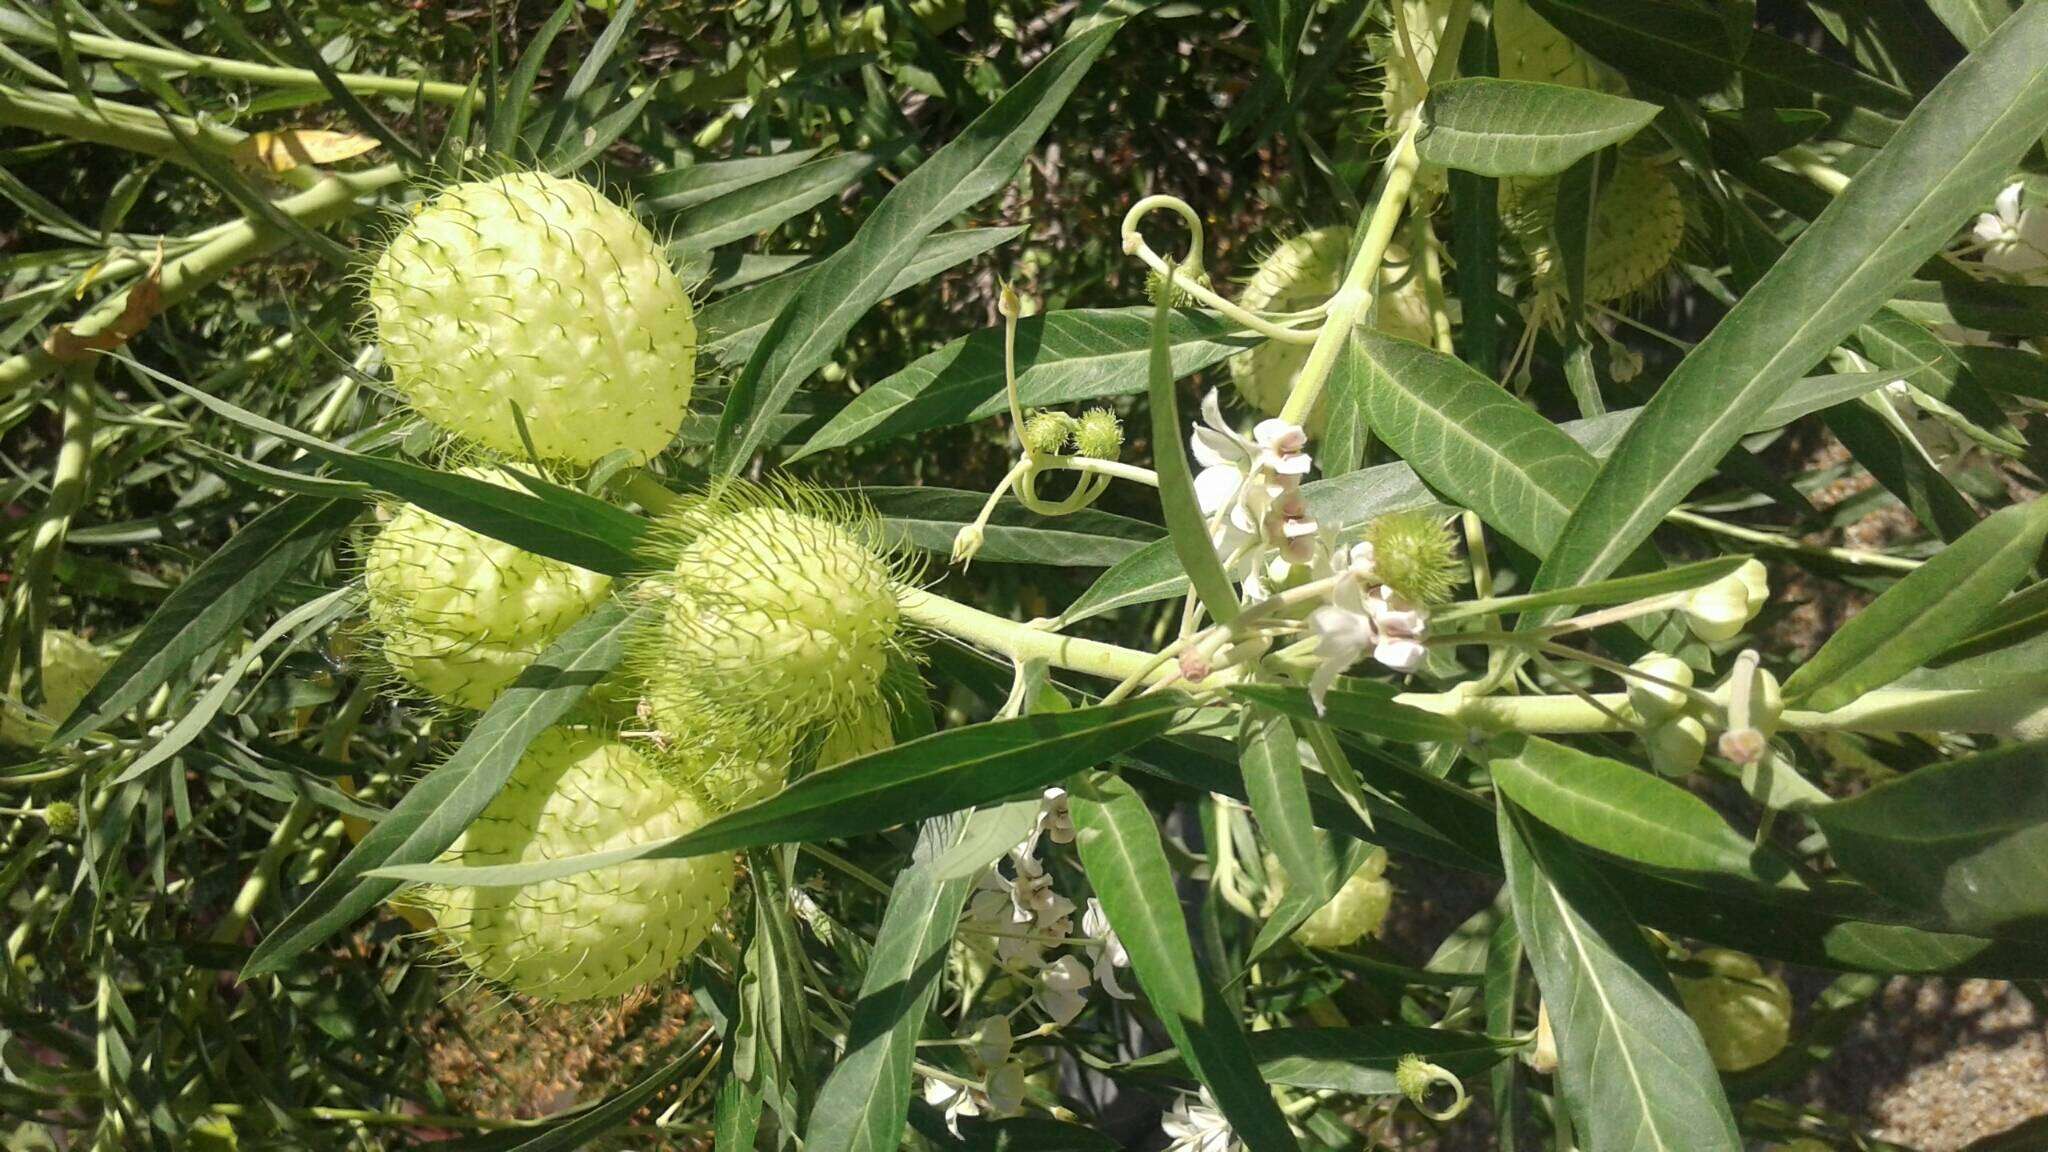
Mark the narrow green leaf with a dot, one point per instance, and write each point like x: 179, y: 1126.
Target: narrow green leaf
x: 866, y: 1100
x: 1619, y: 590
x: 928, y: 518
x: 854, y: 279
x: 758, y: 207
x: 1121, y: 850
x: 1904, y: 205
x: 1521, y: 128
x: 578, y: 1131
x: 210, y: 604
x: 956, y: 769
x: 436, y: 810
x: 731, y: 326
x: 508, y: 112
x: 1270, y: 759
x: 1186, y: 527
x: 1062, y: 357
x: 1990, y: 306
x: 1966, y: 840
x: 661, y: 193
x: 1631, y: 1066
x: 1938, y: 604
x: 1630, y: 813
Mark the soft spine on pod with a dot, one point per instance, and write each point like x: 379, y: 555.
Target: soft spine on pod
x: 1636, y: 228
x: 71, y: 666
x: 535, y: 292
x: 1357, y: 910
x: 1300, y: 274
x: 778, y: 620
x: 594, y: 934
x: 458, y: 615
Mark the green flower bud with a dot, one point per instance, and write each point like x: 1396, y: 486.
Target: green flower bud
x: 1359, y: 909
x: 1542, y: 1056
x: 71, y: 666
x: 1722, y: 609
x: 535, y: 292
x: 1676, y: 746
x: 594, y: 934
x: 1415, y: 554
x: 1045, y: 433
x: 459, y: 615
x: 1654, y: 701
x: 1743, y: 1013
x: 1100, y: 435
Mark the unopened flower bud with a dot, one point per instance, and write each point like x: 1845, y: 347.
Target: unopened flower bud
x: 1654, y: 701
x: 1722, y: 609
x: 1677, y: 746
x: 1099, y: 435
x: 1542, y: 1058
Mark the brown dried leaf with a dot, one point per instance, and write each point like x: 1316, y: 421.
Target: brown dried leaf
x: 284, y: 151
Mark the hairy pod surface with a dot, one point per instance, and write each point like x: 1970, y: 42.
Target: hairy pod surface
x: 1743, y: 1013
x: 1357, y: 910
x: 594, y: 934
x: 1301, y: 274
x: 535, y: 292
x: 776, y: 612
x: 71, y: 666
x: 459, y: 615
x: 1531, y: 48
x: 1637, y: 226
x: 715, y: 753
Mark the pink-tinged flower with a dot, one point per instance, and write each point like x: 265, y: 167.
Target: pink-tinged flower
x: 1107, y: 952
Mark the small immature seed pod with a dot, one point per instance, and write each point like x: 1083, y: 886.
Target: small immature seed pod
x: 71, y: 666
x: 1045, y: 433
x: 1301, y: 274
x: 62, y: 817
x: 1358, y: 909
x: 775, y: 609
x: 532, y: 291
x: 1743, y: 1013
x: 594, y: 934
x: 459, y: 615
x: 1099, y: 435
x: 1415, y: 554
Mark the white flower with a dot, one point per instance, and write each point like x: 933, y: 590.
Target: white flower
x: 1055, y: 820
x: 1354, y: 622
x: 1249, y: 490
x: 952, y: 1100
x: 1402, y: 625
x: 1063, y: 988
x: 1197, y: 1125
x: 2015, y: 239
x: 1282, y: 448
x: 1107, y: 952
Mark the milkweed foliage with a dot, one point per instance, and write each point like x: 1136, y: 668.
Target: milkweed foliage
x: 951, y: 575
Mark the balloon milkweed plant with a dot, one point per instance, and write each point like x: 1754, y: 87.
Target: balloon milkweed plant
x: 1593, y: 496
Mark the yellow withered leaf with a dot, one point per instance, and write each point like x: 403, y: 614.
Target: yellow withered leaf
x: 284, y: 151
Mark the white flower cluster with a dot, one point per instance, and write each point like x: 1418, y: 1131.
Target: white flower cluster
x: 1250, y: 489
x: 1028, y: 922
x: 1196, y: 1125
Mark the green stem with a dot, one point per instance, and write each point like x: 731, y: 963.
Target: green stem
x: 331, y: 199
x: 1357, y: 291
x: 14, y: 25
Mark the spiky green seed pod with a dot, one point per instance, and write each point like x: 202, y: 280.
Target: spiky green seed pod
x: 864, y: 733
x: 594, y: 934
x: 775, y: 608
x: 1744, y: 1014
x: 1357, y: 910
x: 459, y: 615
x: 1531, y: 48
x: 1099, y: 435
x: 1046, y: 433
x: 1637, y: 226
x: 62, y: 817
x: 532, y: 291
x: 71, y: 666
x: 717, y: 754
x: 1415, y: 554
x: 1301, y: 274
